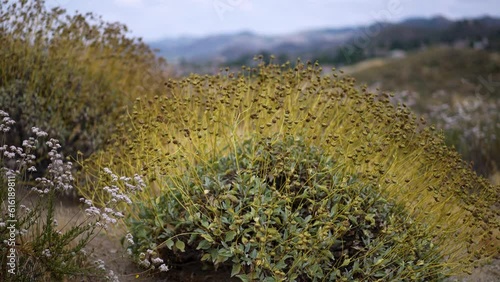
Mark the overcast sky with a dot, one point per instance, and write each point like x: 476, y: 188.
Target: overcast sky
x: 154, y: 19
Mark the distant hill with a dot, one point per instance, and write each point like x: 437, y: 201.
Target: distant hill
x: 414, y: 34
x: 228, y: 47
x: 335, y: 46
x: 455, y: 71
x: 438, y: 22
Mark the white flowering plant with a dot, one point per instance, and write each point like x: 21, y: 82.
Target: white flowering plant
x: 37, y: 248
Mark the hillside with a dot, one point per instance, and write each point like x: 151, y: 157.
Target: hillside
x: 460, y: 71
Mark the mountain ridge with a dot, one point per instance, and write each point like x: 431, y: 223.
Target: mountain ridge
x: 327, y: 43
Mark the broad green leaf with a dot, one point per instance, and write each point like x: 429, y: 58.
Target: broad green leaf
x: 243, y: 277
x: 169, y: 243
x: 381, y: 273
x: 225, y: 253
x: 355, y: 267
x: 370, y: 218
x: 379, y: 261
x: 206, y: 257
x: 353, y: 219
x: 207, y: 237
x: 180, y: 245
x: 346, y: 262
x: 236, y: 269
x: 204, y: 245
x: 230, y: 236
x: 159, y: 222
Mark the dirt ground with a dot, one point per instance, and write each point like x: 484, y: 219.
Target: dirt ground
x: 108, y: 248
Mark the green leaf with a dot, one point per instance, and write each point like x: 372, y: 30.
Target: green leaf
x: 380, y: 274
x: 243, y: 277
x: 206, y: 257
x: 353, y: 219
x: 370, y: 218
x: 230, y: 236
x: 205, y: 223
x: 379, y: 261
x: 281, y: 264
x: 159, y: 222
x: 236, y: 269
x: 346, y: 262
x: 232, y: 198
x: 204, y: 245
x: 207, y: 237
x: 180, y: 245
x: 142, y: 233
x: 355, y: 267
x: 225, y: 253
x: 169, y: 243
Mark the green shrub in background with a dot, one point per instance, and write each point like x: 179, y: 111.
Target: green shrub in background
x: 70, y: 74
x: 199, y: 127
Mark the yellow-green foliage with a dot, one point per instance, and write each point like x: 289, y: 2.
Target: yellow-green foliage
x: 71, y: 75
x: 204, y: 118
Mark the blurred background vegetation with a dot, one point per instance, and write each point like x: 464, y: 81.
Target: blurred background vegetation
x: 72, y: 75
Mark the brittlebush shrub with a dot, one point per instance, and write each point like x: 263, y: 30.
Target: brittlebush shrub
x: 72, y: 75
x: 190, y: 146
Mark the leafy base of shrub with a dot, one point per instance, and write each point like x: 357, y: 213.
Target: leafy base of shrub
x: 276, y: 209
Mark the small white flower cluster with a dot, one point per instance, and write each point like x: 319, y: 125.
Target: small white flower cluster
x: 38, y: 132
x: 21, y: 160
x: 108, y: 214
x: 145, y: 263
x: 104, y: 219
x: 112, y: 276
x: 25, y: 208
x: 10, y: 152
x: 100, y: 264
x: 158, y: 261
x: 58, y: 174
x: 163, y: 268
x: 58, y: 168
x: 151, y: 260
x: 133, y: 186
x: 46, y: 253
x: 6, y: 122
x: 130, y: 238
x: 116, y: 195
